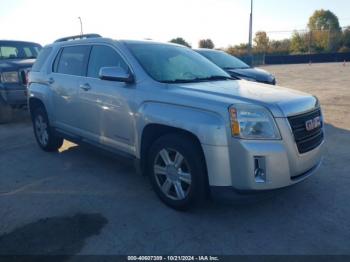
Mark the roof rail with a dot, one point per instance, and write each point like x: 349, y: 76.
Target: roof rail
x: 77, y: 37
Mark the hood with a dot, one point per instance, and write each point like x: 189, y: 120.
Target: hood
x: 255, y: 73
x: 282, y: 102
x: 15, y: 64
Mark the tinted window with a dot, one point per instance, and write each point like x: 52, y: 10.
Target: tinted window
x: 18, y: 50
x: 29, y: 52
x: 103, y: 56
x: 43, y: 55
x: 167, y: 63
x: 73, y: 60
x: 57, y: 59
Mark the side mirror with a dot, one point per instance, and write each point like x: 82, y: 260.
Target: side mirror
x: 116, y: 74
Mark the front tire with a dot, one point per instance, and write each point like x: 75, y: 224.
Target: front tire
x: 177, y: 171
x: 44, y: 135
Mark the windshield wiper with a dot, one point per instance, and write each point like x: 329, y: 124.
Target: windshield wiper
x: 214, y: 78
x: 24, y: 57
x: 199, y: 79
x: 233, y: 68
x: 178, y: 81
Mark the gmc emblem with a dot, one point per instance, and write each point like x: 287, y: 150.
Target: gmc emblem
x: 313, y: 123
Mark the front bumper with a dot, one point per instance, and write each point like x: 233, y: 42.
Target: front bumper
x: 14, y: 94
x: 235, y: 165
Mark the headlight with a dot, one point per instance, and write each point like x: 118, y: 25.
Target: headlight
x: 252, y: 122
x: 9, y: 77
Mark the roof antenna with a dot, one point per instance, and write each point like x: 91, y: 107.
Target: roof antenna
x: 81, y: 26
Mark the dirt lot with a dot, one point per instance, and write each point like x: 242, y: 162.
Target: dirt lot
x: 82, y: 202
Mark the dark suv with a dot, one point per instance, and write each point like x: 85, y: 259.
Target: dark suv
x: 16, y: 59
x: 236, y: 67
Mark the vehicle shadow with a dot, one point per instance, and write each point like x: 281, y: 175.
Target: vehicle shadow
x: 13, y: 115
x: 91, y: 156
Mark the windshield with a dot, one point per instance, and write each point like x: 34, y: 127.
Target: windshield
x: 18, y: 50
x: 224, y: 60
x: 170, y: 63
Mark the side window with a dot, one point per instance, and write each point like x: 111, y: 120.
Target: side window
x: 28, y: 52
x: 104, y: 56
x: 43, y: 55
x: 73, y: 60
x: 55, y: 62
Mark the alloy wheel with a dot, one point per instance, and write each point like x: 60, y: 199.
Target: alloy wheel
x: 172, y: 174
x: 41, y: 130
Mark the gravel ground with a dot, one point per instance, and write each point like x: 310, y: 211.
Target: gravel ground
x: 79, y: 201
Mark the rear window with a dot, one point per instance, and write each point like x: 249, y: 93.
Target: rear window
x: 42, y: 57
x: 18, y: 50
x: 73, y: 60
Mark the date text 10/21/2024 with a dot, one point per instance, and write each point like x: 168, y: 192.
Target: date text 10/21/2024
x: 173, y: 258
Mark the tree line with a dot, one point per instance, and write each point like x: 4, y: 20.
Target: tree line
x: 323, y: 35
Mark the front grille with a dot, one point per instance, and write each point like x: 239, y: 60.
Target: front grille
x: 306, y: 140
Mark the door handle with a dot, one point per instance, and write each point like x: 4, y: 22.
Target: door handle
x: 85, y: 87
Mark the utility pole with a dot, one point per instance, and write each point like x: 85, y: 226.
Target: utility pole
x: 250, y: 44
x: 81, y: 26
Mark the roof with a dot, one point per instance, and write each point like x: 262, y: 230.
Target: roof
x: 73, y: 40
x: 77, y: 37
x: 103, y: 40
x: 17, y: 41
x: 147, y: 42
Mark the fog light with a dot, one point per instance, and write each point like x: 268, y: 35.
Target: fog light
x: 259, y: 169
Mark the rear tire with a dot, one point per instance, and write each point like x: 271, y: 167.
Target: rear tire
x: 44, y: 134
x: 177, y: 171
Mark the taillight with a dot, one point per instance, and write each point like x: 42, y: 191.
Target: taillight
x: 24, y: 76
x: 26, y: 79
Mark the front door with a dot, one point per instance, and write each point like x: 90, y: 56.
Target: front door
x: 104, y: 106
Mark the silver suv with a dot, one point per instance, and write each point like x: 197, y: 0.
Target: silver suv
x: 185, y: 121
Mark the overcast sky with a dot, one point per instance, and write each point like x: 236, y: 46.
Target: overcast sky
x: 224, y: 21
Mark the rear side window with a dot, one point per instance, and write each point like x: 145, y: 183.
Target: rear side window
x: 73, y: 60
x: 104, y: 56
x: 42, y: 57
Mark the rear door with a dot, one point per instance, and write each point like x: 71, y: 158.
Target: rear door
x: 68, y: 70
x: 104, y: 106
